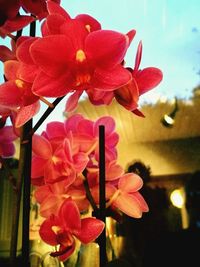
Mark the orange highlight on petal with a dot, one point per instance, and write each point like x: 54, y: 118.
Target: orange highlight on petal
x: 80, y: 55
x: 88, y: 27
x: 19, y: 83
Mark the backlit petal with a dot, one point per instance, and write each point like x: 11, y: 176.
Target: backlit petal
x: 41, y: 146
x: 90, y: 23
x: 129, y: 205
x: 23, y: 53
x: 108, y: 55
x: 70, y: 215
x: 91, y: 228
x: 46, y: 232
x: 54, y: 8
x: 11, y: 68
x: 130, y: 182
x: 51, y: 53
x: 112, y: 79
x: 10, y: 94
x: 47, y: 86
x: 26, y: 113
x: 148, y: 78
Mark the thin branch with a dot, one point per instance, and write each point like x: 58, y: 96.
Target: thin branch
x: 89, y: 195
x: 45, y: 115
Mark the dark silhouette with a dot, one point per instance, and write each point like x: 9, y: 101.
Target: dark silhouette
x: 179, y: 248
x: 139, y: 232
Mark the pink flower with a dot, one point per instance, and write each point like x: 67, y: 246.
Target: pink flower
x: 7, y: 136
x: 126, y: 197
x: 51, y: 164
x: 61, y: 229
x: 51, y: 196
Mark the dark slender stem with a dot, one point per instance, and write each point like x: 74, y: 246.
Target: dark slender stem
x: 27, y: 146
x: 102, y: 196
x: 26, y: 194
x: 46, y: 114
x: 89, y: 195
x: 16, y: 205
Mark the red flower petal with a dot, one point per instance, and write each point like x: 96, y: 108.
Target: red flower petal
x: 90, y: 23
x: 131, y: 35
x: 11, y: 68
x: 129, y: 205
x: 72, y: 101
x: 130, y: 182
x: 53, y: 24
x: 16, y: 24
x: 41, y: 146
x: 64, y: 252
x: 70, y: 215
x: 6, y: 53
x: 27, y: 72
x: 55, y: 129
x: 148, y: 78
x: 143, y: 204
x: 108, y: 122
x: 52, y: 54
x: 46, y: 232
x: 10, y: 94
x: 47, y: 86
x: 128, y: 95
x: 112, y: 79
x: 23, y: 53
x: 138, y: 56
x: 26, y: 113
x: 91, y: 228
x: 76, y: 33
x: 138, y: 113
x: 54, y: 8
x: 108, y: 55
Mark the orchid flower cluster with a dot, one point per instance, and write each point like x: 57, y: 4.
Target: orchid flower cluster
x: 73, y: 56
x: 64, y: 156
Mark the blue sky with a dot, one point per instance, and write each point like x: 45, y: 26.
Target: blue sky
x: 169, y: 30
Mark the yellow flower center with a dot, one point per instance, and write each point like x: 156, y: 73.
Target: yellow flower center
x: 80, y: 55
x: 19, y: 83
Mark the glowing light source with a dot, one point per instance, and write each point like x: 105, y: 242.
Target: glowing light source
x: 168, y: 120
x: 177, y: 198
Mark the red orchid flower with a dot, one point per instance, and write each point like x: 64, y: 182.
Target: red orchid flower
x: 7, y: 136
x: 85, y: 130
x: 126, y: 196
x: 77, y: 64
x: 16, y: 94
x: 51, y: 196
x: 142, y: 81
x: 63, y: 229
x: 50, y: 164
